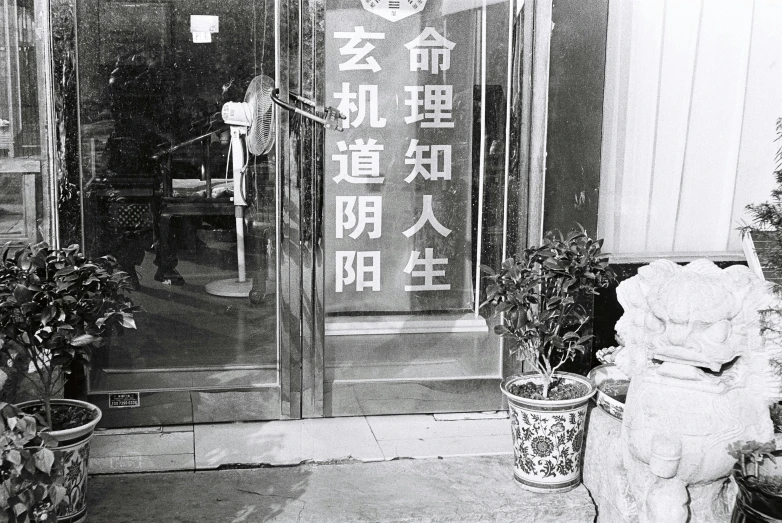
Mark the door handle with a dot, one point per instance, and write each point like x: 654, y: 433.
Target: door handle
x: 331, y: 120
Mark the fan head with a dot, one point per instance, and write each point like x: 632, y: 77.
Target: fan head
x: 260, y: 135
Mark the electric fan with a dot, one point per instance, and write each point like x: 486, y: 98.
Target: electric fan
x: 254, y: 119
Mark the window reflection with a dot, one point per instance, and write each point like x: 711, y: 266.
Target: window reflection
x: 19, y: 127
x: 158, y: 188
x: 11, y: 211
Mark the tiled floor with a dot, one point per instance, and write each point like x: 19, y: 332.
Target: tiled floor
x: 371, y: 438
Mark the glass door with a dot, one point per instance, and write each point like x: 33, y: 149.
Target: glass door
x: 170, y: 189
x: 364, y: 246
x: 420, y: 189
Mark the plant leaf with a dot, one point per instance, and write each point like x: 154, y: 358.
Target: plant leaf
x: 14, y: 457
x: 22, y: 294
x: 44, y: 459
x: 84, y: 339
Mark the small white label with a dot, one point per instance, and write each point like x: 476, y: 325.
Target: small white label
x: 204, y: 24
x: 202, y: 37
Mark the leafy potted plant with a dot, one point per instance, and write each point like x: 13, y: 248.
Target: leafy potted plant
x: 541, y: 296
x: 765, y: 231
x: 31, y: 476
x: 759, y: 484
x: 55, y: 307
x: 762, y: 240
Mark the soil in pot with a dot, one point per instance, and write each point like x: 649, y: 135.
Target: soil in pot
x: 617, y: 389
x: 560, y: 389
x: 63, y: 416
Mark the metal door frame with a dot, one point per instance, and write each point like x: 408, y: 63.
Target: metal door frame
x: 299, y: 66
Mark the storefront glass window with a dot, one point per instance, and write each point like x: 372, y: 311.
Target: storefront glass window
x: 408, y: 180
x: 11, y: 206
x: 20, y: 130
x: 19, y: 126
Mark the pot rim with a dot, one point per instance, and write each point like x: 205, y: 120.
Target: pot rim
x: 67, y: 434
x: 607, y: 371
x: 534, y: 376
x: 606, y: 368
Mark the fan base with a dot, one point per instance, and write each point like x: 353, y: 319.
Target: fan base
x: 231, y: 288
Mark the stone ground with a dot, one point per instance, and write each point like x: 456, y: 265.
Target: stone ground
x: 453, y: 490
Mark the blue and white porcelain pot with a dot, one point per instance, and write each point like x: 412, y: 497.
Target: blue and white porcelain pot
x: 548, y: 435
x: 73, y: 448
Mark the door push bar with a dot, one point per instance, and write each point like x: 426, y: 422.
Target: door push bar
x: 332, y: 119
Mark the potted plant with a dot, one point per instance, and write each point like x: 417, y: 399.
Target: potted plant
x: 762, y: 240
x: 765, y: 231
x: 55, y: 307
x: 31, y: 476
x: 759, y: 496
x: 541, y: 296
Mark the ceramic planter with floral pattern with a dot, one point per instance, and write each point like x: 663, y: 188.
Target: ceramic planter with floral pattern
x: 548, y: 436
x: 73, y: 445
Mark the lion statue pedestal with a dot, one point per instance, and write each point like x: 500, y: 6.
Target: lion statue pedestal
x: 702, y: 377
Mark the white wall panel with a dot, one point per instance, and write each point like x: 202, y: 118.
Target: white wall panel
x: 614, y: 116
x: 714, y: 134
x: 680, y: 44
x: 641, y: 115
x: 754, y: 178
x: 689, y: 96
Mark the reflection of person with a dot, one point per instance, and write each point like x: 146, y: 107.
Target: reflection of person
x: 140, y: 103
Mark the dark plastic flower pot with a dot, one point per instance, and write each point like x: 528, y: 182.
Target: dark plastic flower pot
x: 753, y: 503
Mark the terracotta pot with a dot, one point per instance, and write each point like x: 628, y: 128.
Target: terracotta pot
x: 548, y: 436
x: 74, y: 451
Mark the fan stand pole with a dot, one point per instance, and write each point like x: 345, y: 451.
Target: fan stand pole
x: 236, y: 287
x: 239, y: 213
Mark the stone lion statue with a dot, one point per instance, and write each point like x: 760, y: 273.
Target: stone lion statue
x: 702, y: 376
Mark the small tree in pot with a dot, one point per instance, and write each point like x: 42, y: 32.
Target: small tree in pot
x: 541, y: 296
x: 55, y: 307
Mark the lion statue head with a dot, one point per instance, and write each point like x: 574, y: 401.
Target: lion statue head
x: 703, y: 326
